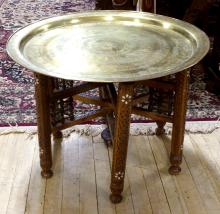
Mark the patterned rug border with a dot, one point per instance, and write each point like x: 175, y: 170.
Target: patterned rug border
x: 202, y: 127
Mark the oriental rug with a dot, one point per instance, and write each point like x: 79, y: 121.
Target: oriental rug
x: 17, y: 104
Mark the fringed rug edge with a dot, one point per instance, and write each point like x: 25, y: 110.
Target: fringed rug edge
x: 202, y: 127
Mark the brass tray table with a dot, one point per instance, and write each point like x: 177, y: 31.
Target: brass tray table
x: 101, y: 48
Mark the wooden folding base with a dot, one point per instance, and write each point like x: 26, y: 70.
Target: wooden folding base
x: 117, y: 108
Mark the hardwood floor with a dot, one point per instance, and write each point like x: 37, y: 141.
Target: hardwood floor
x: 81, y: 166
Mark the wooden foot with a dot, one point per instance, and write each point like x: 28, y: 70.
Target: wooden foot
x: 47, y: 174
x: 115, y: 199
x: 160, y: 128
x: 174, y: 170
x: 175, y: 161
x: 58, y: 134
x: 159, y: 131
x: 106, y: 136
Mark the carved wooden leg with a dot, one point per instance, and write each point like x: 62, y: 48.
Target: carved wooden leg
x: 122, y: 126
x: 43, y: 122
x: 160, y: 128
x: 180, y: 104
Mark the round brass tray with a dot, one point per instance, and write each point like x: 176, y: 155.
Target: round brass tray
x: 108, y: 46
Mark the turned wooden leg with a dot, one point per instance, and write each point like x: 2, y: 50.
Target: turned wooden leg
x: 180, y: 103
x: 122, y: 126
x: 160, y: 128
x: 43, y: 123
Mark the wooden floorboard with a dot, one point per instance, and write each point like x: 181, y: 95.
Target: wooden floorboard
x: 37, y: 186
x: 8, y: 155
x: 20, y: 183
x: 174, y: 198
x: 82, y: 173
x: 186, y: 184
x: 71, y: 176
x: 201, y: 178
x: 103, y: 176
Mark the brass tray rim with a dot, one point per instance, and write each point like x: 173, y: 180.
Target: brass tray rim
x: 201, y: 51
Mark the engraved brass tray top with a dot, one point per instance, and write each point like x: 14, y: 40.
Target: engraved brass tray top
x: 108, y: 46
